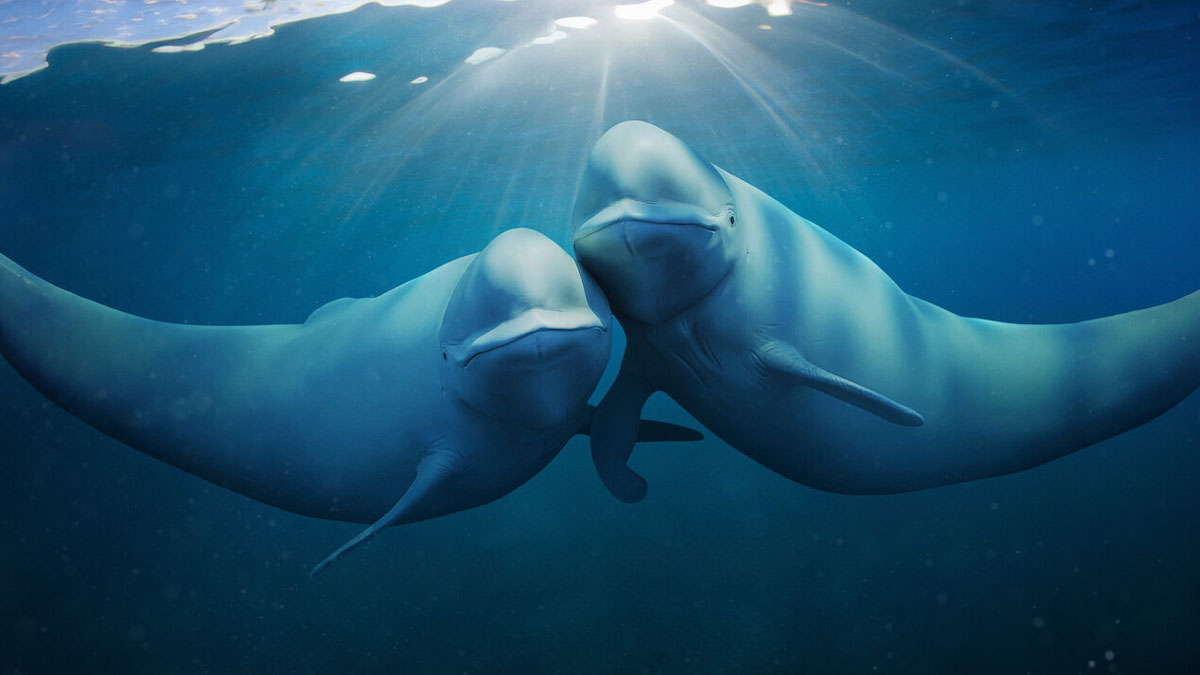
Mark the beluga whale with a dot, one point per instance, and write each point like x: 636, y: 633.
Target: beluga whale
x: 801, y: 353
x: 443, y: 394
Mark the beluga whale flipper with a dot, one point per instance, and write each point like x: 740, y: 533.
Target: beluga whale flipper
x: 801, y: 353
x: 443, y: 394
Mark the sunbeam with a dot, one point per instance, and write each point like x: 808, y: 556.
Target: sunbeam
x: 599, y: 65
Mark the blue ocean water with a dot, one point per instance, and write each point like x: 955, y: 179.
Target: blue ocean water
x: 1007, y: 160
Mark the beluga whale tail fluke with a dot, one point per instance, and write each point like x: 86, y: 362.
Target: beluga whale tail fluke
x: 443, y: 394
x: 803, y: 354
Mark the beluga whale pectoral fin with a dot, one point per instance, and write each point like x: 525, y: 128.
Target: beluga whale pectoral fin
x: 650, y: 431
x: 434, y: 471
x: 784, y: 358
x: 614, y: 431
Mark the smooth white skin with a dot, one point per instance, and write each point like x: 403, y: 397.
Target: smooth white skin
x: 331, y: 418
x: 996, y: 397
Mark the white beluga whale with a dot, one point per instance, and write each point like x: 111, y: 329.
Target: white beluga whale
x: 443, y: 394
x: 801, y: 353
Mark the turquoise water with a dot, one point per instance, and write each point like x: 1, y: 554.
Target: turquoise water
x: 1005, y: 160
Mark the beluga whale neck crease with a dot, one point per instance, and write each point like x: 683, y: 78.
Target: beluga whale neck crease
x: 443, y: 394
x: 801, y: 353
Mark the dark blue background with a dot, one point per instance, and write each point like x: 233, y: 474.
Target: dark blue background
x: 1051, y: 179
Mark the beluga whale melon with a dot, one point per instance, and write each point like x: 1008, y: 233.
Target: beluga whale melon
x: 801, y: 353
x: 443, y: 394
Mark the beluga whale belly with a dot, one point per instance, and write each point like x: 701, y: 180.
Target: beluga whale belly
x: 801, y: 353
x: 443, y: 394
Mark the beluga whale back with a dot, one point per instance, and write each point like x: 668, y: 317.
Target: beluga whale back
x: 803, y: 354
x: 443, y: 394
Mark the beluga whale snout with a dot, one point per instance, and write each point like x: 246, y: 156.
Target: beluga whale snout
x: 648, y: 195
x: 440, y: 395
x: 804, y: 355
x: 522, y: 317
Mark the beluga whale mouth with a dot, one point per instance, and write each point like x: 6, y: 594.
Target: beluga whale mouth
x: 537, y: 332
x: 633, y: 210
x: 654, y: 222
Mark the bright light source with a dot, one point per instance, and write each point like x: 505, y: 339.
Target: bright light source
x: 357, y: 76
x: 175, y: 49
x: 729, y: 4
x: 556, y: 36
x: 483, y: 54
x: 643, y: 10
x: 779, y: 7
x: 578, y: 22
x: 419, y: 80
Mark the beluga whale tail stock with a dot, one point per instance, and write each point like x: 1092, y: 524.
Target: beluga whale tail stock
x: 443, y: 394
x: 800, y: 352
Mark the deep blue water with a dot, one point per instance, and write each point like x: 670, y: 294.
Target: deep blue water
x: 1006, y: 160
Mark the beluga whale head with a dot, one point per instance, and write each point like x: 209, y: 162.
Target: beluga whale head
x: 654, y: 222
x: 525, y: 336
